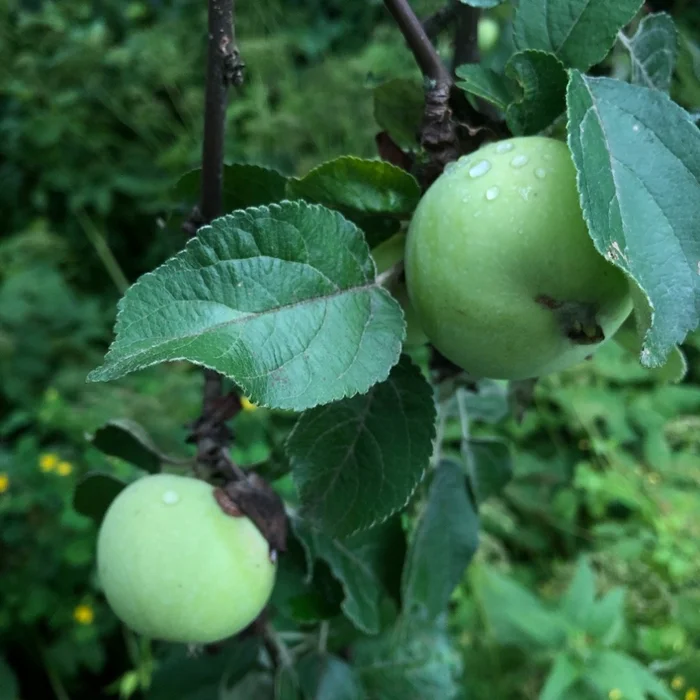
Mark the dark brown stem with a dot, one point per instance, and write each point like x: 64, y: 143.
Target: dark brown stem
x: 466, y: 47
x: 418, y: 41
x: 440, y: 20
x: 224, y: 68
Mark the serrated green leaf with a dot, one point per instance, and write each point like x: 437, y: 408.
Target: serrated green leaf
x: 579, y: 33
x: 513, y: 615
x: 445, y: 540
x: 364, y: 564
x: 326, y: 677
x: 94, y: 493
x: 373, y: 194
x: 490, y: 465
x: 416, y: 665
x: 398, y: 109
x: 357, y: 462
x: 542, y: 80
x: 638, y: 160
x: 496, y: 88
x: 563, y: 675
x: 244, y: 186
x: 128, y: 440
x: 653, y: 51
x: 281, y: 299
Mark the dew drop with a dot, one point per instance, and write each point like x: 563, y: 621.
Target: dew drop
x: 481, y: 168
x: 635, y: 127
x: 541, y: 173
x: 547, y: 156
x: 170, y: 498
x: 492, y: 193
x: 519, y: 161
x: 450, y: 168
x: 525, y: 193
x: 504, y: 147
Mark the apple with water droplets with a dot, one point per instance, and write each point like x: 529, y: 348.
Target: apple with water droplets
x: 175, y: 567
x: 503, y: 275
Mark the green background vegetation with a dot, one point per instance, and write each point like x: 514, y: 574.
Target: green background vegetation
x: 100, y: 113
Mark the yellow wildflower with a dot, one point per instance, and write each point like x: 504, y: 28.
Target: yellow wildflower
x: 64, y: 468
x: 247, y: 404
x: 48, y: 462
x: 83, y: 614
x: 678, y: 682
x: 615, y: 694
x: 691, y: 694
x: 4, y: 482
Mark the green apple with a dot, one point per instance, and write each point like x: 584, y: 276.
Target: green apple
x: 175, y: 567
x: 385, y: 255
x: 501, y: 270
x: 487, y: 33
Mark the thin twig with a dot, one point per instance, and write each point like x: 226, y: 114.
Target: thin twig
x: 418, y: 41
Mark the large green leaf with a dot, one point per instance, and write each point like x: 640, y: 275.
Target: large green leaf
x: 445, y: 540
x: 412, y: 664
x: 281, y: 299
x: 365, y: 564
x: 578, y: 32
x: 357, y: 461
x: 490, y: 465
x: 373, y: 194
x: 638, y: 161
x: 653, y: 51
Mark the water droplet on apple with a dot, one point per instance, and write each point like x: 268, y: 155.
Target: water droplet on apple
x: 481, y: 168
x: 541, y: 173
x: 504, y: 147
x: 492, y: 193
x: 519, y: 161
x: 450, y: 167
x: 170, y: 498
x: 525, y: 192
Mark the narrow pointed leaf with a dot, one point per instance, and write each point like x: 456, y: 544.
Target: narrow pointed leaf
x: 579, y: 33
x: 356, y: 462
x: 445, y: 540
x: 398, y: 109
x: 365, y: 564
x: 638, y: 160
x: 490, y: 466
x: 653, y: 51
x: 281, y: 299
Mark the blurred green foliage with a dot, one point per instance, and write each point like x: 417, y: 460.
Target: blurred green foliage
x: 100, y: 112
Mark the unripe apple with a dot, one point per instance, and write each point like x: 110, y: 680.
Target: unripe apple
x: 385, y: 255
x: 501, y: 270
x: 175, y: 567
x: 488, y: 31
